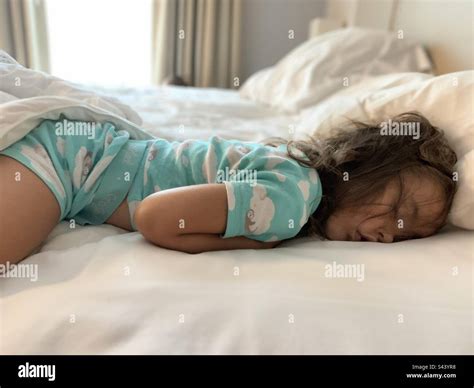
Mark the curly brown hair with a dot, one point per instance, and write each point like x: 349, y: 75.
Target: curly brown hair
x: 370, y: 160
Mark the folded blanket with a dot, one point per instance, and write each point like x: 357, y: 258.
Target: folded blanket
x: 27, y: 97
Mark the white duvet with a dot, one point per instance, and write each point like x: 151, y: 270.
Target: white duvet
x: 27, y: 97
x: 103, y: 291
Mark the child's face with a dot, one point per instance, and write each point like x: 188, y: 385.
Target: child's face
x: 422, y: 205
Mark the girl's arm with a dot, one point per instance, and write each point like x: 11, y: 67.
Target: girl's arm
x: 190, y: 219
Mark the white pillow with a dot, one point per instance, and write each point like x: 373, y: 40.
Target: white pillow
x: 327, y: 63
x: 447, y: 101
x: 350, y: 102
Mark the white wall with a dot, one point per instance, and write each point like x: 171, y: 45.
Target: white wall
x: 444, y: 27
x: 265, y: 26
x: 367, y: 13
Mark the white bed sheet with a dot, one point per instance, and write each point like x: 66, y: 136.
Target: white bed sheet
x: 103, y: 291
x: 180, y: 113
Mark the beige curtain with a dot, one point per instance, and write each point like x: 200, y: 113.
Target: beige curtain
x: 24, y: 33
x: 198, y: 41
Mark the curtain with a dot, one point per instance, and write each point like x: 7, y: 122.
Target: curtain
x: 24, y: 32
x: 197, y: 41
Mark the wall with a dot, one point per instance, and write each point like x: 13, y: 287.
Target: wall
x: 445, y: 28
x: 265, y: 25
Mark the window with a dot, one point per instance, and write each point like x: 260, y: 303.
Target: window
x: 106, y: 42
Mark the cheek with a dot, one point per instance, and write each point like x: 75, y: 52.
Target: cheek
x: 345, y: 221
x: 340, y: 223
x: 370, y: 225
x: 332, y: 229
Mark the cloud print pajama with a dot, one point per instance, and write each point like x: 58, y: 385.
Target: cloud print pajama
x: 270, y: 196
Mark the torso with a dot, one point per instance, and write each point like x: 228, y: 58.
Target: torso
x: 174, y: 164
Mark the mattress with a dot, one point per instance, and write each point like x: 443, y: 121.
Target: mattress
x: 101, y: 290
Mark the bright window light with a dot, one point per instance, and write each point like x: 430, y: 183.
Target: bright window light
x: 106, y: 42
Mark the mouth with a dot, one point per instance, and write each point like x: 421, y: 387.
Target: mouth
x: 356, y: 236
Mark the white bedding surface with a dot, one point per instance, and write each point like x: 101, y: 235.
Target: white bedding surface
x: 175, y: 112
x: 126, y: 296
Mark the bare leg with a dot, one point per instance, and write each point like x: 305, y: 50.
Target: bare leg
x: 28, y: 211
x: 121, y: 217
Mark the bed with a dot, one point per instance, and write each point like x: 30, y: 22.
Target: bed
x: 101, y: 290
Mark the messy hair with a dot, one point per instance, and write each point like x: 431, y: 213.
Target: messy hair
x: 371, y: 161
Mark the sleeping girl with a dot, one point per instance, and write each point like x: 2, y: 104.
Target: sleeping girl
x: 194, y: 196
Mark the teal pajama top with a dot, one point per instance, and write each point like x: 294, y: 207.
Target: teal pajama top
x: 92, y: 167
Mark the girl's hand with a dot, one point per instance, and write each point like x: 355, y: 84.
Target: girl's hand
x: 190, y: 219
